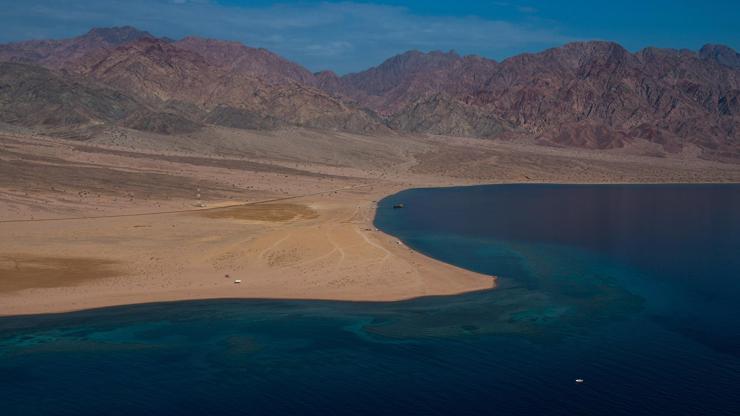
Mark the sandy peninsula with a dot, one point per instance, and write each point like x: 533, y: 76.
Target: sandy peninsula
x: 125, y: 219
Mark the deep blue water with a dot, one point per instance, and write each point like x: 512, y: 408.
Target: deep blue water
x: 635, y: 289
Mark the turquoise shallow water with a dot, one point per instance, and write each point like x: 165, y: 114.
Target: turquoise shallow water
x: 636, y: 289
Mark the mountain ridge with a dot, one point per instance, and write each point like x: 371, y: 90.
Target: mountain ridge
x: 593, y: 94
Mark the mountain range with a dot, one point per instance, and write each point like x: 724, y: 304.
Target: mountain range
x: 593, y: 95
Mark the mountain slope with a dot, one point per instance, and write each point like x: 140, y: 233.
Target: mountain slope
x: 200, y: 80
x: 600, y: 83
x: 34, y: 96
x: 235, y: 57
x: 58, y: 53
x: 585, y: 94
x: 406, y: 78
x: 442, y: 114
x: 163, y: 72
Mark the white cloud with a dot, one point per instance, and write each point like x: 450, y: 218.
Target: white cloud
x: 341, y: 36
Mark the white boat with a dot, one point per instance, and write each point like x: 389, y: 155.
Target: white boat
x: 579, y: 380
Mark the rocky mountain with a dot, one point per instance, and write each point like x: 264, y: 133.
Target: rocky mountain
x: 235, y: 57
x: 443, y: 115
x: 228, y: 93
x: 200, y: 80
x: 610, y: 93
x: 58, y: 53
x: 585, y: 94
x: 720, y: 54
x: 34, y: 96
x: 404, y: 79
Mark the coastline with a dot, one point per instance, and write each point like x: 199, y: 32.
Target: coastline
x: 420, y: 275
x: 290, y: 214
x: 359, y: 263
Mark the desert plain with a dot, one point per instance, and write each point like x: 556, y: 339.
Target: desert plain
x: 125, y: 217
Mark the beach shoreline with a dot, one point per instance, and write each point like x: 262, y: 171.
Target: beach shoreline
x: 359, y: 264
x: 289, y: 214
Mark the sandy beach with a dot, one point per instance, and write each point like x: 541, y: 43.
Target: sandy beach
x: 320, y: 247
x: 125, y: 219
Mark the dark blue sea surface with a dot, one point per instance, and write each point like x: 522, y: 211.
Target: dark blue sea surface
x: 635, y: 289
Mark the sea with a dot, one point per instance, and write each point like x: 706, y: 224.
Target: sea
x: 634, y: 290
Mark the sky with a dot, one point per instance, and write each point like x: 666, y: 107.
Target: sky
x: 350, y: 36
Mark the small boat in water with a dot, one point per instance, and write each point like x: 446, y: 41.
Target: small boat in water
x: 579, y: 380
x: 398, y: 206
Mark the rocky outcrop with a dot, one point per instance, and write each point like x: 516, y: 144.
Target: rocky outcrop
x: 584, y: 94
x: 444, y: 115
x: 38, y: 97
x: 404, y: 79
x: 604, y: 88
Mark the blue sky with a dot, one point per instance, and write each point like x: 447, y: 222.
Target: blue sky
x: 354, y: 35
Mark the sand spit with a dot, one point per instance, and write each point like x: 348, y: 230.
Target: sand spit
x: 320, y: 248
x: 131, y: 218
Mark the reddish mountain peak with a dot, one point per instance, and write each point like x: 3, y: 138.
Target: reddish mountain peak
x: 221, y: 53
x: 406, y: 67
x: 115, y: 35
x: 326, y: 74
x: 575, y: 54
x: 424, y: 61
x: 233, y: 47
x: 235, y: 56
x: 330, y: 82
x: 151, y: 48
x: 405, y: 78
x: 151, y: 68
x: 147, y: 43
x: 195, y: 41
x: 414, y: 60
x: 435, y: 54
x: 652, y: 52
x: 153, y: 52
x: 591, y: 46
x: 722, y: 54
x: 69, y: 52
x: 593, y: 59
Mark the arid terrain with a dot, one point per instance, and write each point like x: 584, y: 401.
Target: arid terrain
x: 136, y: 168
x: 129, y: 217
